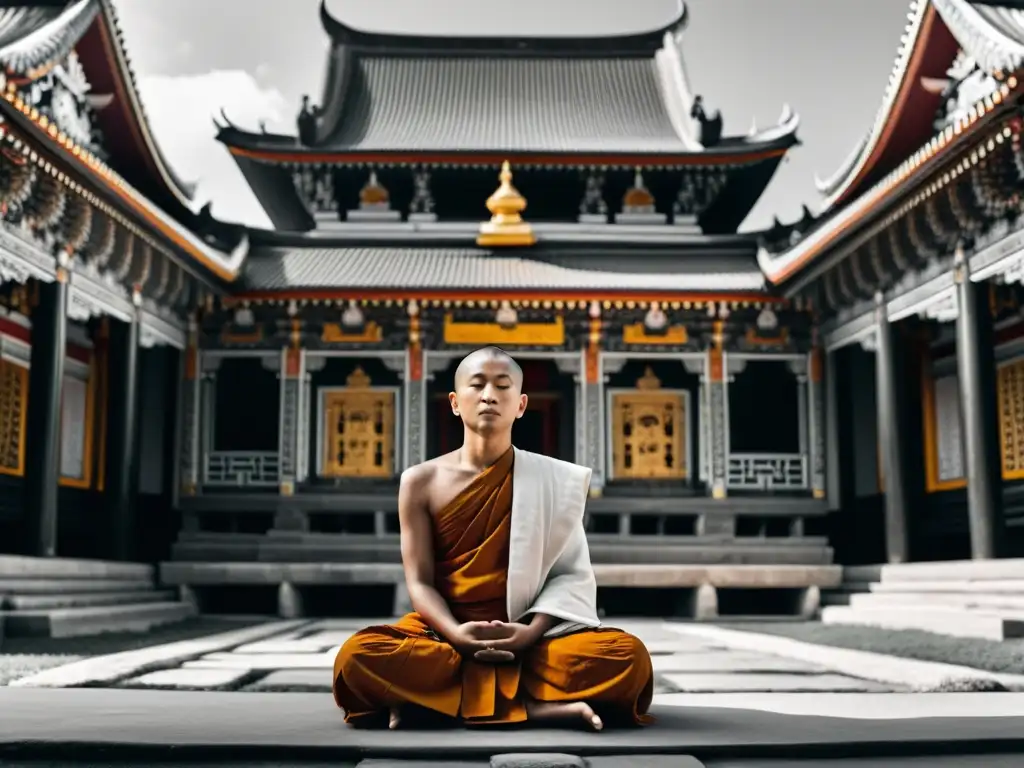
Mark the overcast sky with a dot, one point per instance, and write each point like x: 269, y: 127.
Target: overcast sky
x: 828, y: 59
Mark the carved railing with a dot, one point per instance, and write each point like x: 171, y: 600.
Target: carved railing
x: 767, y: 472
x: 239, y: 469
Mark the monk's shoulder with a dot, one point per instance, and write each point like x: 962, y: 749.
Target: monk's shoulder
x: 419, y: 476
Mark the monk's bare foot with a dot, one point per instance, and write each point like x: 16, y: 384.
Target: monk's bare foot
x: 394, y: 720
x: 553, y: 711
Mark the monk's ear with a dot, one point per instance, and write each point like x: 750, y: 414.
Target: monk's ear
x: 454, y: 400
x: 523, y: 400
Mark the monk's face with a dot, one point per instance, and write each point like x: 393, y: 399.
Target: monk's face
x: 488, y: 395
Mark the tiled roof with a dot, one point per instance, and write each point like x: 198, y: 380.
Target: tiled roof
x: 394, y: 268
x: 510, y: 103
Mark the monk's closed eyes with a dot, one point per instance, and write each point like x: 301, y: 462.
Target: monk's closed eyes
x: 505, y: 626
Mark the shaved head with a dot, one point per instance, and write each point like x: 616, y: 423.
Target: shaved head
x: 472, y: 362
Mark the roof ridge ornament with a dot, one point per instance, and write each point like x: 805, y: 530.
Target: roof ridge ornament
x: 506, y: 227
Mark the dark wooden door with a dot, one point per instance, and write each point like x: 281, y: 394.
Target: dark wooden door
x: 537, y: 431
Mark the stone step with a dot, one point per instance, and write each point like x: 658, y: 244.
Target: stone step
x: 84, y: 599
x: 77, y: 586
x: 979, y: 600
x: 831, y: 597
x: 862, y: 573
x: 629, y: 550
x: 955, y: 570
x: 995, y: 586
x: 20, y: 567
x: 643, y: 575
x: 76, y: 622
x: 943, y: 621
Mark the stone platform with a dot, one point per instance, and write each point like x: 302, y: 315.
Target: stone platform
x: 101, y: 727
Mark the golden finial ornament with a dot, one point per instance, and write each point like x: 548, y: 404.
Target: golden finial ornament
x: 506, y: 227
x: 648, y: 381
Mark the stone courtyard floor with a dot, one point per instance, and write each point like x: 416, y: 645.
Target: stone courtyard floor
x: 724, y: 699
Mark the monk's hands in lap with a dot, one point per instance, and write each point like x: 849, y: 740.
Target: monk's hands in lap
x: 478, y: 638
x: 515, y: 639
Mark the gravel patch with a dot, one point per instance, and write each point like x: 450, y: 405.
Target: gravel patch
x: 15, y: 665
x: 1005, y: 656
x: 116, y: 642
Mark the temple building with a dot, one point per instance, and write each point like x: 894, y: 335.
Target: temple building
x: 250, y: 397
x: 914, y: 266
x: 450, y: 193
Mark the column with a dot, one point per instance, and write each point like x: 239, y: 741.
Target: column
x: 42, y: 447
x: 831, y: 430
x: 415, y: 402
x: 816, y: 422
x: 190, y: 400
x: 122, y: 431
x: 890, y: 437
x: 594, y: 424
x: 716, y: 391
x: 976, y: 369
x: 292, y: 376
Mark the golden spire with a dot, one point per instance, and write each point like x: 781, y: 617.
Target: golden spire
x: 506, y: 226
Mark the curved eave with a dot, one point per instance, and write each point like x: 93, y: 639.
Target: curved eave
x: 904, y: 120
x: 45, y: 39
x: 993, y: 36
x: 224, y: 266
x: 105, y: 61
x: 713, y: 156
x: 275, y: 191
x: 646, y: 41
x: 920, y: 165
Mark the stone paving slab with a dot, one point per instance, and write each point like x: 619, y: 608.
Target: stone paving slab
x: 892, y: 670
x: 294, y: 678
x: 305, y: 645
x: 731, y: 662
x: 710, y: 682
x: 302, y: 726
x: 190, y: 678
x: 265, y: 661
x: 106, y: 669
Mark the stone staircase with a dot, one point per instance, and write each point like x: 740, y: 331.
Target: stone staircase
x: 983, y: 599
x: 59, y: 597
x: 857, y: 580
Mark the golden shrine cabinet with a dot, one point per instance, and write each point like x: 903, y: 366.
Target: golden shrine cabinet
x: 693, y: 405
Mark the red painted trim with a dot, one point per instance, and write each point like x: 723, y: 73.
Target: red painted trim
x: 566, y: 159
x: 499, y: 294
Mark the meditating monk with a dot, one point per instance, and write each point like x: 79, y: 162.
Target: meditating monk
x: 505, y: 627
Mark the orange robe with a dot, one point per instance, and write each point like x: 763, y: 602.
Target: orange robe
x: 406, y: 663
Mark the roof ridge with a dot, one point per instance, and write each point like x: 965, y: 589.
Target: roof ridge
x: 346, y: 34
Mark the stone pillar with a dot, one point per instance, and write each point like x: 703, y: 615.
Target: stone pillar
x: 890, y: 437
x: 593, y: 402
x: 122, y: 431
x: 46, y: 377
x: 831, y: 430
x: 190, y: 404
x: 717, y: 393
x: 976, y: 369
x: 816, y: 423
x: 292, y: 377
x: 415, y: 402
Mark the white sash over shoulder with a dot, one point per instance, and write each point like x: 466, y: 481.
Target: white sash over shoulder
x: 549, y: 569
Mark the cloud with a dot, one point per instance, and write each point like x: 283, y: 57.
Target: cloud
x: 181, y: 110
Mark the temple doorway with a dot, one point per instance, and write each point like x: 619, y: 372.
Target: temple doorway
x: 547, y: 427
